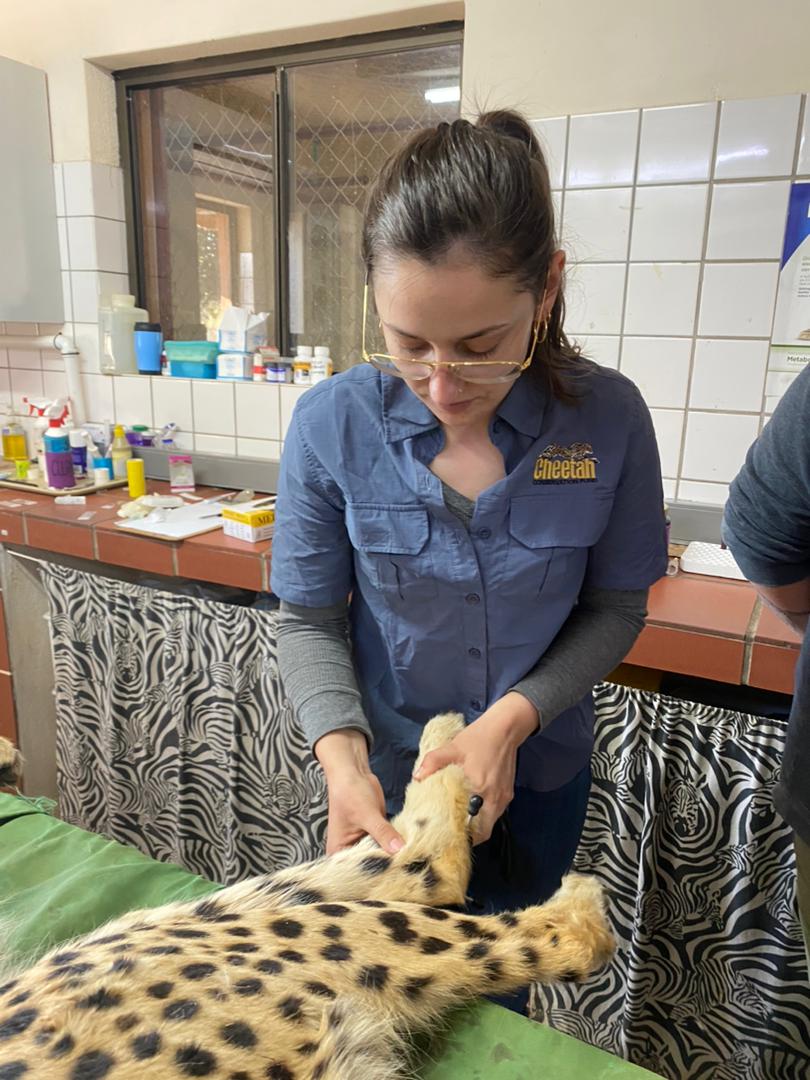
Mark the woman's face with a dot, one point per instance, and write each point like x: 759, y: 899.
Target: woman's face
x: 454, y: 310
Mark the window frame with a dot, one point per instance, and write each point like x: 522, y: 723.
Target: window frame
x: 276, y: 61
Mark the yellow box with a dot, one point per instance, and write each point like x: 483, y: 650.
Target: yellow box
x: 249, y: 522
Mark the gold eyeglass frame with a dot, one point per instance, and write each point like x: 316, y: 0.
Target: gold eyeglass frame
x: 452, y: 365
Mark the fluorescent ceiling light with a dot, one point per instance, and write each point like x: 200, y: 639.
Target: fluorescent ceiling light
x: 441, y: 95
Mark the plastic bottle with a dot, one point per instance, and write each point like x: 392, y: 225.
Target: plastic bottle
x: 58, y: 456
x: 44, y: 412
x: 302, y: 365
x: 78, y: 448
x: 14, y: 446
x: 117, y: 329
x: 321, y: 367
x: 148, y: 347
x: 121, y: 453
x: 136, y: 478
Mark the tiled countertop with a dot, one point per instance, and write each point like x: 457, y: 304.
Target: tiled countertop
x: 211, y: 557
x: 717, y: 629
x: 702, y: 626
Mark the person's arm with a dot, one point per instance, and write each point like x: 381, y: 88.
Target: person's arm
x: 596, y: 637
x: 790, y: 602
x: 767, y: 517
x: 312, y: 567
x: 315, y: 661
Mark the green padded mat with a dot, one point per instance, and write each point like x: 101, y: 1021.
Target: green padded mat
x: 57, y: 881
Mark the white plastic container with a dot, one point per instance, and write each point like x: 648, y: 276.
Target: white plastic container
x: 117, y: 334
x: 321, y: 367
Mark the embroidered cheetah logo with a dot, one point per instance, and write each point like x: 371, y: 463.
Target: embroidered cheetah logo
x: 314, y: 973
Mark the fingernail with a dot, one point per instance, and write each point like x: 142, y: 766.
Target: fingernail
x: 395, y: 846
x: 418, y: 774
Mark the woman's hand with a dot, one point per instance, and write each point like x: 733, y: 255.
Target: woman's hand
x: 487, y: 752
x: 356, y: 800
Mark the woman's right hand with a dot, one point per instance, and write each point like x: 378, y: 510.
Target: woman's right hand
x: 356, y: 800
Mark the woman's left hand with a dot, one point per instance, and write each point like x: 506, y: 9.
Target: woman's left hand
x: 487, y: 752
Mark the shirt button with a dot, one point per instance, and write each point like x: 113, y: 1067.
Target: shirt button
x: 476, y: 704
x: 474, y: 653
x: 485, y: 534
x: 473, y: 598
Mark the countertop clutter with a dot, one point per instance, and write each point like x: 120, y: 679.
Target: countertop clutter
x: 36, y: 521
x: 706, y: 627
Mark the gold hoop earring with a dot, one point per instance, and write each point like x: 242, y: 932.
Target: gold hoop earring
x: 544, y: 335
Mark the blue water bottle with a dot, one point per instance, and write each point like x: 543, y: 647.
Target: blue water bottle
x: 148, y: 347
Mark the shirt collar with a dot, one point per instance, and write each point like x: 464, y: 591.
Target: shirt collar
x: 405, y: 415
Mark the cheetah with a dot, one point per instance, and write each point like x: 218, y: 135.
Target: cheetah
x: 322, y: 971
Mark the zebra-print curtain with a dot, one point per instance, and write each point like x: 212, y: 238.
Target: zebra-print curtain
x: 173, y: 735
x: 710, y: 979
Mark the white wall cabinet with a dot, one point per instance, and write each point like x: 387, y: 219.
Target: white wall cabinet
x: 30, y: 278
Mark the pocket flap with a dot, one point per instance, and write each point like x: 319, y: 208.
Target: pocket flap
x: 564, y: 518
x: 390, y: 530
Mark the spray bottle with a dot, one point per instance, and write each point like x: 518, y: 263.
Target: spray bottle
x: 44, y: 411
x: 58, y: 456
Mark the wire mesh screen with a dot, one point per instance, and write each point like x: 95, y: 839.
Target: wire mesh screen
x: 346, y: 118
x: 206, y: 155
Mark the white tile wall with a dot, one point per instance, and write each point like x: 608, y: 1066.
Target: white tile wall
x: 748, y: 220
x: 594, y: 298
x: 803, y: 167
x: 669, y: 223
x: 214, y: 444
x: 258, y: 412
x: 602, y: 149
x: 552, y: 134
x: 757, y: 137
x: 659, y: 366
x: 289, y: 397
x: 668, y: 424
x: 738, y: 299
x: 709, y: 494
x: 132, y: 400
x: 603, y: 349
x: 716, y: 444
x: 268, y: 449
x: 171, y: 402
x: 596, y: 224
x: 708, y: 192
x: 661, y: 298
x: 214, y: 409
x: 728, y: 375
x: 676, y: 143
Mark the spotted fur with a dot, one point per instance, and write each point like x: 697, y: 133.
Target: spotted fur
x: 315, y: 973
x: 10, y: 764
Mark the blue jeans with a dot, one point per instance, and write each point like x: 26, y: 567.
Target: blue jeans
x: 529, y: 852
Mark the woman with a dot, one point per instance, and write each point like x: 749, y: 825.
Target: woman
x: 469, y: 521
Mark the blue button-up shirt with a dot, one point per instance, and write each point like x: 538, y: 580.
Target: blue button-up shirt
x: 446, y: 618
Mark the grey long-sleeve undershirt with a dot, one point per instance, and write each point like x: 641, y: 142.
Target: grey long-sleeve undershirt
x: 314, y: 654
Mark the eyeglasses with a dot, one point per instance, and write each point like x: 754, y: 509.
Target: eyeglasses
x: 480, y: 371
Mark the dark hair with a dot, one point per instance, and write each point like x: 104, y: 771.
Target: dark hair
x: 485, y: 186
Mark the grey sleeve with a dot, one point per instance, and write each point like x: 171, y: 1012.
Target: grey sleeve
x: 767, y: 516
x: 597, y: 636
x: 315, y: 661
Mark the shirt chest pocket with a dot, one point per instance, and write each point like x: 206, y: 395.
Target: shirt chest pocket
x: 549, y: 538
x: 392, y: 550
